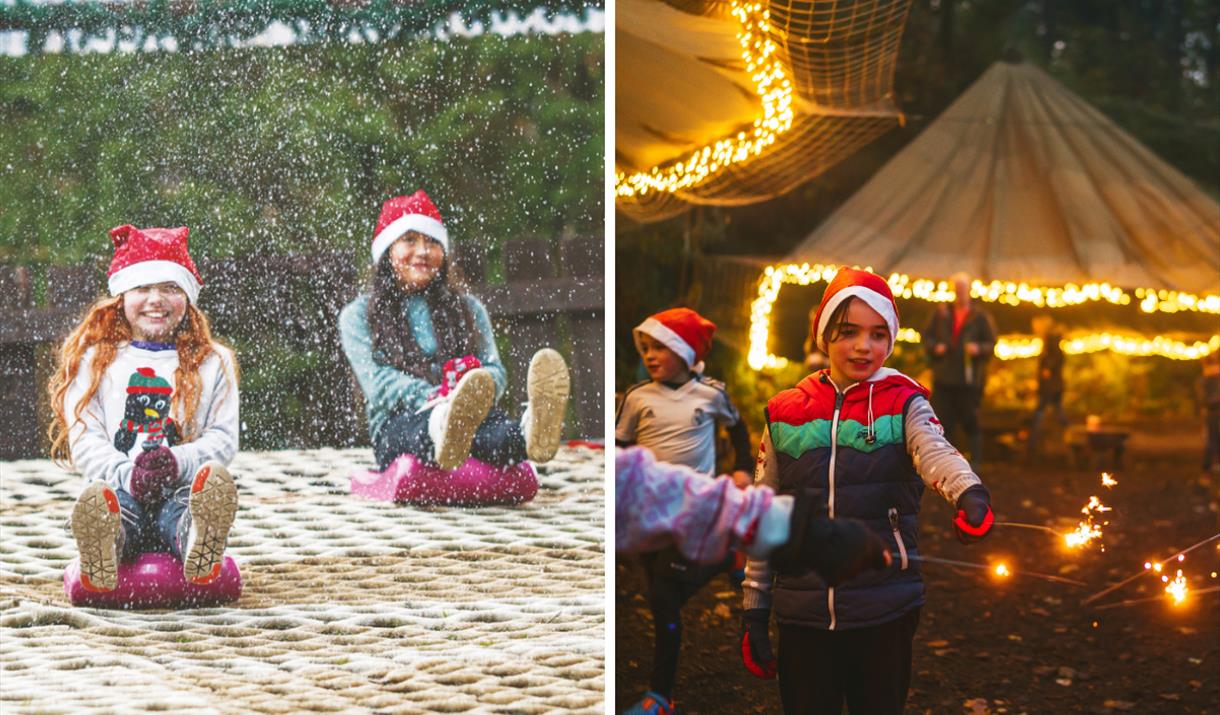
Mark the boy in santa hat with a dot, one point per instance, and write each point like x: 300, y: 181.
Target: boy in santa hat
x: 674, y: 414
x: 858, y: 440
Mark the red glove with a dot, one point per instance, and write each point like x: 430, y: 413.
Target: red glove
x: 756, y: 652
x: 974, y: 518
x: 454, y: 371
x: 153, y: 476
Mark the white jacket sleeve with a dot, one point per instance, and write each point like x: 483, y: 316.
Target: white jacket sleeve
x: 218, y: 423
x: 759, y: 576
x: 91, y: 445
x: 939, y: 464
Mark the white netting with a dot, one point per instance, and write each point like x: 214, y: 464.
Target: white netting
x: 839, y: 58
x: 348, y: 605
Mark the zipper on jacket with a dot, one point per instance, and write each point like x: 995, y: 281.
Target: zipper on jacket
x: 902, y: 547
x: 830, y: 500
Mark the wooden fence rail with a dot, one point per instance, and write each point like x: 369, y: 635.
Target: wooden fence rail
x: 552, y: 295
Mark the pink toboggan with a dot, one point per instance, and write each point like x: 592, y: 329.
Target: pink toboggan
x: 155, y: 580
x: 408, y: 480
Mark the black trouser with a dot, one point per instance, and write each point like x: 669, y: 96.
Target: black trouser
x: 499, y: 441
x: 673, y: 579
x: 959, y: 405
x: 869, y: 668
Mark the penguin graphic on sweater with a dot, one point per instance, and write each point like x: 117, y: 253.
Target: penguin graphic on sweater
x: 147, y: 411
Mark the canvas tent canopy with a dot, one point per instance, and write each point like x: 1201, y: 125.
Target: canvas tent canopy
x: 1044, y: 202
x: 1021, y: 180
x: 729, y: 103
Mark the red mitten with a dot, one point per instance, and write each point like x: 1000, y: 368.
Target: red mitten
x: 153, y: 476
x: 756, y: 652
x: 454, y: 371
x: 974, y: 517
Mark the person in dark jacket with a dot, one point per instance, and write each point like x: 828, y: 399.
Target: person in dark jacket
x: 1050, y: 380
x: 1209, y: 402
x: 857, y: 441
x: 959, y: 341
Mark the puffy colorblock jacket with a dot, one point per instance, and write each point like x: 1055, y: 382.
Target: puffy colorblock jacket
x: 865, y: 452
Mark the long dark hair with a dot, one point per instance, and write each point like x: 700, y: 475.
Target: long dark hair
x: 393, y: 339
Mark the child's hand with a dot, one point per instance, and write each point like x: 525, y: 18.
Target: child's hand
x: 154, y: 474
x: 756, y: 652
x: 940, y: 349
x: 454, y: 370
x: 974, y: 518
x: 837, y: 549
x: 742, y: 479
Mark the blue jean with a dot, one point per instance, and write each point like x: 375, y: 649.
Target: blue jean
x: 145, y: 531
x: 498, y: 441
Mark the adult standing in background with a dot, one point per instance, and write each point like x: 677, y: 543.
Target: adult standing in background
x: 959, y: 342
x: 1050, y: 380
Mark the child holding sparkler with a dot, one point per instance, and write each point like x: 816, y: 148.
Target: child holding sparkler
x: 859, y: 440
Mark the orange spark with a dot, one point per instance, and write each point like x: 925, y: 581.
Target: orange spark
x: 1177, y: 588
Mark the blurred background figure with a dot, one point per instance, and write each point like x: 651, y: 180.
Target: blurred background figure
x: 1209, y: 404
x: 959, y: 342
x: 1050, y: 380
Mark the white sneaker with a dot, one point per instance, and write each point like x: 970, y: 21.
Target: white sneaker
x: 548, y: 386
x: 97, y: 527
x: 453, y: 421
x: 212, y: 506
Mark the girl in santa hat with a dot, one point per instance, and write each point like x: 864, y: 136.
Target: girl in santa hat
x: 146, y: 407
x: 424, y: 353
x: 859, y: 440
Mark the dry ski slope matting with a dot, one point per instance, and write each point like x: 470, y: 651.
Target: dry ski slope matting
x: 349, y: 605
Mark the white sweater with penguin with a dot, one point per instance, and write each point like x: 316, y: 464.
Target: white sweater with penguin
x: 214, y: 432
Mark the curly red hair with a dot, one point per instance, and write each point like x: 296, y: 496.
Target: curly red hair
x: 105, y: 328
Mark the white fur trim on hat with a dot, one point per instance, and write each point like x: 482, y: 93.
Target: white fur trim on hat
x: 146, y: 273
x: 426, y: 225
x: 873, y: 299
x: 660, y: 331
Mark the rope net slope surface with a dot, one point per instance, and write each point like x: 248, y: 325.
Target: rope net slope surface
x: 348, y: 605
x: 821, y: 73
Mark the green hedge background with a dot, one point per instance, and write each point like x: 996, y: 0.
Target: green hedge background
x: 294, y: 149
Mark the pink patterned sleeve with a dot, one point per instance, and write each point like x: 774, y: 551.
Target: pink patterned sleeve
x: 658, y: 504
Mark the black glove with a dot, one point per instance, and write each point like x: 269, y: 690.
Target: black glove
x: 974, y: 518
x: 837, y: 549
x: 756, y: 643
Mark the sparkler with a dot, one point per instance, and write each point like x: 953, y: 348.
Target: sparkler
x: 1000, y: 570
x: 1149, y: 567
x: 1133, y: 601
x: 1086, y: 530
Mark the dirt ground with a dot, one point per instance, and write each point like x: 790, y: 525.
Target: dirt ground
x: 1021, y: 645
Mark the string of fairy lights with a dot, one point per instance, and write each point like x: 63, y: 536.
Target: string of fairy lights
x: 774, y: 89
x: 1008, y: 347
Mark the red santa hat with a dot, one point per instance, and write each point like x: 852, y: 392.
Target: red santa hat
x: 146, y: 256
x: 682, y: 330
x: 408, y: 213
x: 868, y: 287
